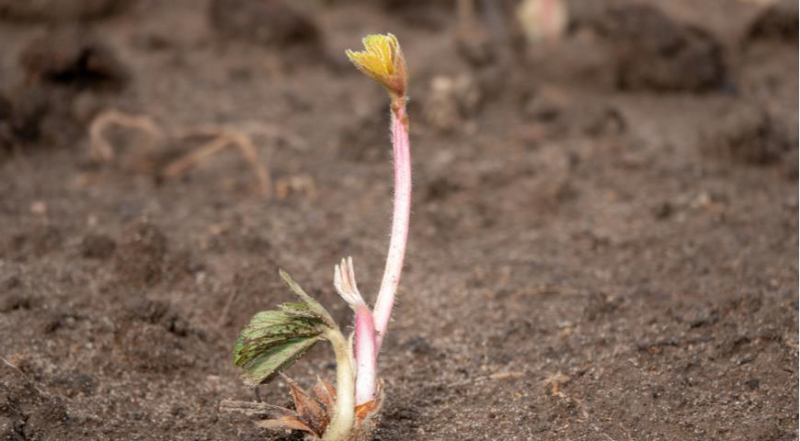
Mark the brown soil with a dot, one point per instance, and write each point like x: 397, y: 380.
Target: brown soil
x: 603, y: 244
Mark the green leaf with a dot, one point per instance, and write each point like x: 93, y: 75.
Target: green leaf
x: 268, y: 329
x: 268, y: 364
x: 273, y: 340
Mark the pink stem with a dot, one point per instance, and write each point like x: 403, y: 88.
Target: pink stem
x: 366, y: 355
x: 547, y: 18
x: 370, y: 328
x: 402, y: 212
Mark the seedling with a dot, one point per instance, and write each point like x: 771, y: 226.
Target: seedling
x: 275, y: 339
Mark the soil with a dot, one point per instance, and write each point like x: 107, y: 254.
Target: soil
x: 603, y: 244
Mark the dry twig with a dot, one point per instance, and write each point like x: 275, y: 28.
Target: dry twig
x: 103, y: 151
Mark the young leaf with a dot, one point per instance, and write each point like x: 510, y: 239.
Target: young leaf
x: 265, y: 366
x: 273, y: 340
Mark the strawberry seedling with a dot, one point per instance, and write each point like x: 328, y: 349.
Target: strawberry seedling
x: 273, y: 340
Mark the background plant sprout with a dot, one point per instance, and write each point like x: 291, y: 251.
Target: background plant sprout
x: 273, y: 340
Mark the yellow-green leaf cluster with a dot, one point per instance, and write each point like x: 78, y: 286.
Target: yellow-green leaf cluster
x: 383, y: 61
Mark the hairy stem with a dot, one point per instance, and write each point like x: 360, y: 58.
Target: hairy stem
x: 341, y: 426
x: 400, y: 218
x: 366, y: 355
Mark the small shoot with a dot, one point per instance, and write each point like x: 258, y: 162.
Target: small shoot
x: 275, y: 339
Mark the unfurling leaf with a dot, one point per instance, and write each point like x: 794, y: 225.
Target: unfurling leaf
x: 383, y: 61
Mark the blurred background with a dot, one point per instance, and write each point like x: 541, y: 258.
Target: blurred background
x: 603, y: 239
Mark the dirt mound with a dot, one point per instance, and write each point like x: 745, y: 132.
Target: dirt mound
x: 71, y: 58
x: 271, y: 23
x: 26, y: 412
x: 97, y: 246
x: 60, y: 10
x: 654, y: 52
x: 139, y: 259
x: 68, y: 73
x: 748, y: 135
x: 142, y: 322
x: 778, y: 21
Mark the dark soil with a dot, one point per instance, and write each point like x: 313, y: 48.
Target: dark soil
x: 603, y: 245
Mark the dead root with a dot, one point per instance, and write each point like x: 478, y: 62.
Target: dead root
x: 100, y: 148
x: 221, y: 137
x: 313, y: 411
